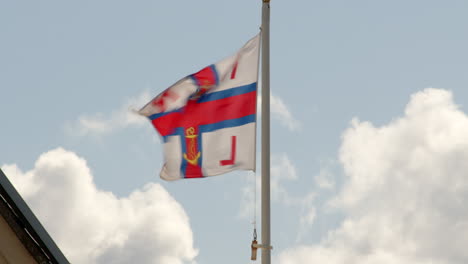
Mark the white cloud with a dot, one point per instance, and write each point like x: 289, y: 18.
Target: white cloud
x: 307, y: 215
x: 406, y: 190
x: 94, y: 226
x: 101, y: 124
x: 326, y: 178
x: 282, y: 171
x: 249, y: 193
x: 280, y: 112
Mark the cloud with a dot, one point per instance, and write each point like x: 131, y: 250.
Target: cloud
x: 94, y: 226
x: 282, y: 171
x: 326, y: 178
x: 101, y: 124
x: 308, y: 214
x: 405, y: 191
x: 280, y: 112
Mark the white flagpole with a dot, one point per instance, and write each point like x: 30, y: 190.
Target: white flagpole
x: 266, y: 248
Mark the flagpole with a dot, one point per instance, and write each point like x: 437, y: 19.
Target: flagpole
x: 266, y: 248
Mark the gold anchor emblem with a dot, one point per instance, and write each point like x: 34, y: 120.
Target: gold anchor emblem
x: 192, y: 156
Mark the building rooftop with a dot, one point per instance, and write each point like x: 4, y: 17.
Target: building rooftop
x: 26, y: 227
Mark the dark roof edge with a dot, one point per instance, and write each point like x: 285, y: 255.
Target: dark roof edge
x: 35, y: 227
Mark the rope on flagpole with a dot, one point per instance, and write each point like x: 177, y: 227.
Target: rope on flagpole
x: 254, y: 240
x: 254, y: 222
x: 255, y: 201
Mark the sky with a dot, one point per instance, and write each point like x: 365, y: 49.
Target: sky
x: 369, y: 133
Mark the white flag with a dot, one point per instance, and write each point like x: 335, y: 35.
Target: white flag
x: 208, y: 119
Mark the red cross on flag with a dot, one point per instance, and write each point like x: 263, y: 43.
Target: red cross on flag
x: 207, y: 119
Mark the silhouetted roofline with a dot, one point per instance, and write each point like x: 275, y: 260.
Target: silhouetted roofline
x: 26, y: 226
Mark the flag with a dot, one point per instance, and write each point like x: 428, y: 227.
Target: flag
x: 207, y: 120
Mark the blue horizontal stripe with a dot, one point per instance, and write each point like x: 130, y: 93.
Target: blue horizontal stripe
x: 158, y: 115
x: 228, y: 123
x: 228, y: 93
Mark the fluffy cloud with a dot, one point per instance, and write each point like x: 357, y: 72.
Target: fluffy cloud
x: 94, y: 226
x: 282, y: 171
x: 405, y: 191
x: 325, y: 179
x: 280, y: 112
x: 100, y: 124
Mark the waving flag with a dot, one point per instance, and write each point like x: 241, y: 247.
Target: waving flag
x: 207, y: 119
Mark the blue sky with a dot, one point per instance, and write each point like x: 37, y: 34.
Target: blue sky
x: 354, y: 128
